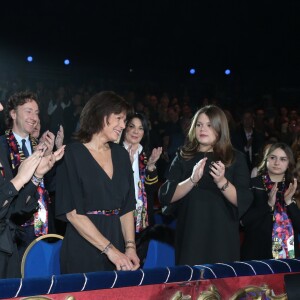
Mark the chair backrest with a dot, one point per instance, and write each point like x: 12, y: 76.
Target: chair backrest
x: 42, y: 257
x: 159, y: 255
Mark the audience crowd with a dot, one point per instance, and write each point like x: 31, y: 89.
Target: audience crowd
x: 253, y: 127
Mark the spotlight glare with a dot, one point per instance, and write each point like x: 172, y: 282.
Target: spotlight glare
x: 227, y: 72
x: 29, y: 58
x: 66, y: 62
x: 192, y: 71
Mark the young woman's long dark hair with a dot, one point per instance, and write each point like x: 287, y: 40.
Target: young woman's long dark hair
x: 145, y: 141
x: 289, y: 173
x: 223, y: 149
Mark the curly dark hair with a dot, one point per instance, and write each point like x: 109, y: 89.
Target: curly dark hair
x: 16, y: 100
x: 96, y: 109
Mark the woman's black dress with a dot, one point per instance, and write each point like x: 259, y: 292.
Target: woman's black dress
x: 207, y: 228
x: 83, y: 185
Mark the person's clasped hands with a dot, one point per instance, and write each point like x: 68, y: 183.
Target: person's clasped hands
x: 123, y: 262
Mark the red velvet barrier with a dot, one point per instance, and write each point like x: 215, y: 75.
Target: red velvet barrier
x: 226, y: 287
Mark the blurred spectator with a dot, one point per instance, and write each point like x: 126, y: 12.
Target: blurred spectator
x: 71, y: 116
x: 290, y: 135
x: 247, y: 139
x: 174, y: 136
x: 56, y: 108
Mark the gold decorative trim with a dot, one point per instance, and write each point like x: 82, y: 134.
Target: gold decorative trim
x: 179, y: 296
x: 257, y: 293
x: 151, y: 181
x: 70, y: 298
x: 211, y: 293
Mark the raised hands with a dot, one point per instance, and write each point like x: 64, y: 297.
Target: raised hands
x: 155, y: 155
x: 47, y: 139
x: 47, y: 162
x: 198, y: 170
x: 272, y: 195
x: 217, y: 171
x: 59, y: 140
x: 27, y: 169
x: 289, y: 193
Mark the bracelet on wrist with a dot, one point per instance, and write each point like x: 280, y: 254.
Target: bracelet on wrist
x: 130, y: 242
x: 104, y: 251
x: 36, y: 180
x: 130, y: 247
x: 225, y: 186
x: 40, y: 178
x: 195, y: 183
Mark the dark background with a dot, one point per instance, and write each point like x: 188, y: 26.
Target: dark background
x: 252, y: 38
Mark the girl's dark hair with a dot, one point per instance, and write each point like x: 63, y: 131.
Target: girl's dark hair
x: 289, y: 173
x: 96, y: 109
x: 145, y: 142
x: 223, y: 149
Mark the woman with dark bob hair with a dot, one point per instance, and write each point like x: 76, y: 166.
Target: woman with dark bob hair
x: 209, y: 182
x: 272, y: 223
x: 96, y: 192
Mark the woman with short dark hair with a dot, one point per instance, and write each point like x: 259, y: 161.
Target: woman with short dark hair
x: 95, y: 192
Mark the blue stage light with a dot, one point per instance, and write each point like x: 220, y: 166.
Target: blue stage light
x: 227, y: 72
x: 192, y: 71
x: 29, y: 58
x: 66, y: 61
